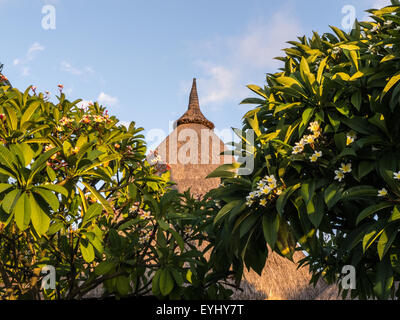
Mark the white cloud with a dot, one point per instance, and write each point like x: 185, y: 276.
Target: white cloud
x: 218, y: 83
x: 33, y: 49
x: 235, y: 61
x: 31, y: 54
x: 107, y: 100
x: 264, y: 40
x: 68, y: 67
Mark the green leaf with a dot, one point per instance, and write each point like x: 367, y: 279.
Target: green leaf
x: 339, y: 33
x: 189, y: 276
x: 253, y: 101
x: 371, y: 210
x: 40, y: 220
x: 306, y: 117
x: 340, y: 141
x: 305, y: 73
x: 386, y: 239
x: 257, y: 90
x: 40, y: 163
x: 166, y: 282
x: 315, y: 210
x: 356, y: 99
x: 22, y: 212
x: 286, y: 106
x: 332, y: 195
x: 321, y: 69
x: 390, y: 84
x: 10, y: 200
x: 49, y: 197
x: 12, y: 119
x: 104, y: 267
x: 226, y: 209
x: 155, y: 283
x: 225, y: 171
x: 307, y: 191
x: 360, y: 192
x: 178, y: 239
x: 93, y: 211
x: 270, y: 225
x: 364, y: 168
x: 395, y: 214
x: 99, y: 197
x: 281, y: 202
x: 388, y: 58
x: 371, y: 236
x: 7, y: 159
x: 55, y: 188
x: 29, y: 112
x: 87, y: 251
x: 354, y: 61
x: 123, y: 285
x: 384, y: 279
x: 254, y: 125
x: 5, y: 187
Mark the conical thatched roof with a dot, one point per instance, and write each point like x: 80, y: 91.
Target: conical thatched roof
x: 193, y: 151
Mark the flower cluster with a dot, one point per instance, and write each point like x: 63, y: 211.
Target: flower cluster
x: 340, y: 174
x: 85, y: 119
x: 100, y: 118
x: 134, y: 207
x: 3, y: 78
x: 155, y: 160
x: 145, y: 236
x: 188, y: 230
x: 382, y: 193
x: 2, y: 117
x: 351, y: 137
x: 309, y: 139
x: 144, y: 215
x: 266, y: 189
x: 316, y: 156
x: 65, y: 121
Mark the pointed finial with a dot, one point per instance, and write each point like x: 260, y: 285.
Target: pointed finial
x: 194, y: 98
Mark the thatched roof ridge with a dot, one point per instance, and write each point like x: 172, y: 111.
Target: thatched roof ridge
x: 194, y: 114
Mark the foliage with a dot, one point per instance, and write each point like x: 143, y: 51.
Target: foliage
x: 78, y: 193
x: 326, y: 153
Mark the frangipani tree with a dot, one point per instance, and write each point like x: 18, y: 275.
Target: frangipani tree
x: 327, y: 159
x: 78, y: 193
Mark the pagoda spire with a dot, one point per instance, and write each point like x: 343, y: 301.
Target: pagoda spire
x: 194, y: 114
x: 194, y: 97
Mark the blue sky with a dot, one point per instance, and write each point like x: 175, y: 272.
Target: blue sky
x: 138, y: 58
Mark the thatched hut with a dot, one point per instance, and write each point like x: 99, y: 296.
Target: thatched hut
x: 193, y: 151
